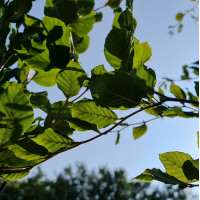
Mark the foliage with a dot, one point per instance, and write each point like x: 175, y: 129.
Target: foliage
x: 46, y: 51
x: 79, y: 183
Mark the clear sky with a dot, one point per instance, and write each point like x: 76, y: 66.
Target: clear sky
x: 170, y: 53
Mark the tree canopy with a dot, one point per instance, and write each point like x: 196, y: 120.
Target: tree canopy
x: 79, y: 183
x: 46, y: 51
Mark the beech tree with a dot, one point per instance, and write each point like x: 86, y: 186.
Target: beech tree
x: 46, y: 51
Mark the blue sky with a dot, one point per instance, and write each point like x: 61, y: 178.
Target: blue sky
x: 170, y: 53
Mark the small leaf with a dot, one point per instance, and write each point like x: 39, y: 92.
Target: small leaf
x: 70, y: 79
x: 173, y: 163
x: 118, y: 139
x: 179, y: 16
x: 53, y: 141
x: 114, y: 3
x: 98, y: 70
x: 86, y: 110
x: 142, y: 53
x: 139, y: 131
x: 177, y: 91
x: 197, y: 87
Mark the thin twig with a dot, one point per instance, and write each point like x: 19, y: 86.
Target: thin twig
x: 2, y: 65
x: 102, y: 7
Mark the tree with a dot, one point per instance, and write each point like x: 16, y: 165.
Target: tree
x: 47, y: 52
x: 81, y: 184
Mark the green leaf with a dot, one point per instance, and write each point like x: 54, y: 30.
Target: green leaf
x: 66, y: 10
x: 191, y: 169
x: 173, y: 163
x: 179, y: 17
x: 40, y: 61
x: 53, y: 141
x: 23, y: 153
x: 158, y: 111
x: 70, y: 79
x: 13, y: 174
x: 83, y: 25
x: 8, y: 159
x: 127, y: 21
x: 86, y: 110
x: 50, y: 9
x: 52, y: 25
x: 17, y: 8
x: 117, y: 90
x: 98, y: 70
x: 31, y: 21
x: 197, y: 87
x: 40, y: 100
x: 46, y: 79
x: 85, y: 7
x: 156, y: 174
x: 81, y: 44
x: 118, y: 139
x: 145, y: 78
x: 114, y: 3
x: 64, y: 116
x: 177, y: 91
x: 117, y: 51
x: 17, y: 113
x: 142, y: 53
x: 177, y: 112
x: 139, y: 131
x: 129, y: 4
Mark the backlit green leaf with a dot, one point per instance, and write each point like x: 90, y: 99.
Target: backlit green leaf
x: 127, y: 21
x: 156, y: 174
x: 117, y: 51
x: 117, y: 90
x: 46, y: 79
x: 139, y: 131
x: 17, y: 113
x: 177, y: 91
x: 173, y: 163
x: 86, y: 110
x: 53, y: 141
x: 98, y: 70
x: 83, y: 25
x: 13, y: 174
x: 70, y: 79
x: 142, y: 53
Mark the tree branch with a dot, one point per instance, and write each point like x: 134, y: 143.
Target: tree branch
x: 2, y: 65
x: 176, y: 99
